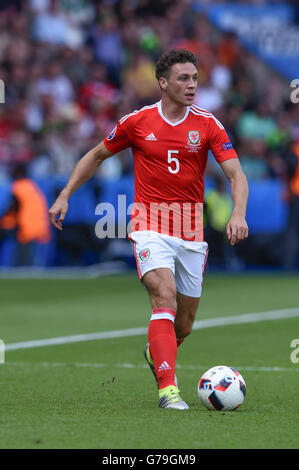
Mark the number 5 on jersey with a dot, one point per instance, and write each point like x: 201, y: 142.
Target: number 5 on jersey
x: 173, y: 160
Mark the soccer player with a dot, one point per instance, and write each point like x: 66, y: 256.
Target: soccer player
x: 170, y: 141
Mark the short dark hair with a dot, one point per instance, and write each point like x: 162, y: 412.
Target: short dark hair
x: 170, y: 58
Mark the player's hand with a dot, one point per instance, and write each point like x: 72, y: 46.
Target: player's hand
x: 58, y: 212
x: 237, y: 229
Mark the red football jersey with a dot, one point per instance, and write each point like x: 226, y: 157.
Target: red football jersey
x: 169, y: 164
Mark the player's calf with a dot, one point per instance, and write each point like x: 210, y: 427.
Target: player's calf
x: 163, y: 345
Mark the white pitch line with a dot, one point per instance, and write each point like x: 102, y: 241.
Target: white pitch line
x: 198, y: 325
x: 126, y: 365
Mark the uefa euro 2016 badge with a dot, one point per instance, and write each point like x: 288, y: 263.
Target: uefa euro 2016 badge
x: 145, y: 255
x: 227, y: 146
x: 112, y: 133
x: 193, y: 143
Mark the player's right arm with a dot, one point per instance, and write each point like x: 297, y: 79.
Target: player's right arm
x: 83, y: 171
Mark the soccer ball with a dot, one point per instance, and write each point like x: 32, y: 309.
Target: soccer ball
x: 221, y: 388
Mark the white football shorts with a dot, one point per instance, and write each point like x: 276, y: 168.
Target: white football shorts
x: 186, y: 259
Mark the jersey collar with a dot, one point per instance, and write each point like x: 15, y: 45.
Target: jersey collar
x: 169, y: 122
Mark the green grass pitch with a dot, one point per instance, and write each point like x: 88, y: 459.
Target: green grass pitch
x: 101, y: 395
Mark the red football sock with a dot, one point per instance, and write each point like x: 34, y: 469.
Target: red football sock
x: 163, y: 345
x: 179, y: 341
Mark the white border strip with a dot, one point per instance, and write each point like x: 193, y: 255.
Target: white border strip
x: 128, y: 365
x: 163, y: 316
x: 88, y: 272
x: 198, y: 325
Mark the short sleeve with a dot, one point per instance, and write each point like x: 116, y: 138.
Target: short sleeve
x: 118, y: 139
x: 220, y: 143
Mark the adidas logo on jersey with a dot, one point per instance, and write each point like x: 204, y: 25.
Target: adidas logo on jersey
x: 164, y: 366
x: 151, y: 136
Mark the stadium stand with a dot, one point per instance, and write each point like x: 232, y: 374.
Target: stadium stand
x: 71, y: 69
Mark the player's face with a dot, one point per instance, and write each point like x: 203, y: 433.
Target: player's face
x: 181, y: 84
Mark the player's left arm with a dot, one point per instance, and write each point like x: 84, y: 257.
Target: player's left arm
x: 237, y: 228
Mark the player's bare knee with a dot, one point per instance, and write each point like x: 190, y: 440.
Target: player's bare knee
x: 183, y: 324
x: 183, y: 331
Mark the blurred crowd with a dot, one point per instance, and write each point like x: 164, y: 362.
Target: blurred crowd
x: 72, y: 68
